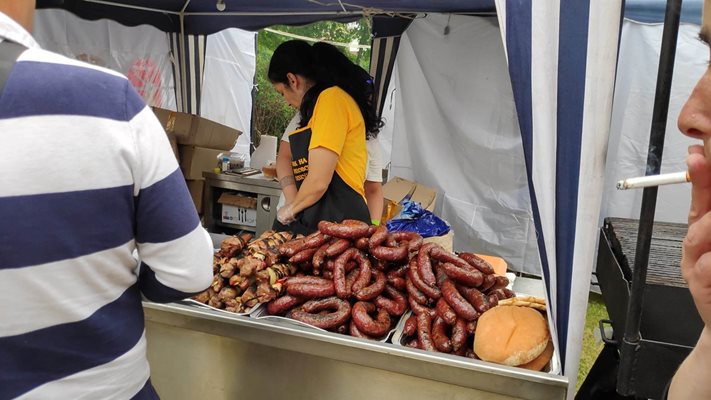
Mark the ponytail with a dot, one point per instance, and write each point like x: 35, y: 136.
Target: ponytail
x: 326, y: 66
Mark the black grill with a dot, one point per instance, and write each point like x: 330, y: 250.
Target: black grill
x: 670, y: 324
x: 664, y: 255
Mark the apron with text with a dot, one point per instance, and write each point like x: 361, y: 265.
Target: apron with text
x: 338, y: 203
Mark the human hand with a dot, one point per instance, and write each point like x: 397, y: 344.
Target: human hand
x: 696, y: 249
x: 285, y: 215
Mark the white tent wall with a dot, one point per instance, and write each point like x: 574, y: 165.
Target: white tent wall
x: 455, y: 129
x: 632, y: 118
x: 230, y: 64
x: 142, y: 53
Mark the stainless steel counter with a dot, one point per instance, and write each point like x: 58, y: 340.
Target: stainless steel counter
x: 198, y: 353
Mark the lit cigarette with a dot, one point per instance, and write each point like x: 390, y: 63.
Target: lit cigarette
x: 654, y: 180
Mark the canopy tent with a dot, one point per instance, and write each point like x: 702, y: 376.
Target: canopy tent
x: 561, y: 58
x: 204, y: 17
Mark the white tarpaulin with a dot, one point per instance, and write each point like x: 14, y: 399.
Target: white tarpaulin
x: 141, y: 53
x: 632, y: 119
x: 230, y: 63
x: 455, y: 129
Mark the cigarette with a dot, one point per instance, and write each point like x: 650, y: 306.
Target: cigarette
x: 654, y: 180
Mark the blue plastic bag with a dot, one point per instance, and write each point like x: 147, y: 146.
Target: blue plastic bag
x: 414, y: 218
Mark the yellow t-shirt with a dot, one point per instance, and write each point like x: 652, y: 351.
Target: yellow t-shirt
x: 337, y: 125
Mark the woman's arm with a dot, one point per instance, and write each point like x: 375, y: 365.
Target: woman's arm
x: 284, y: 172
x: 374, y: 197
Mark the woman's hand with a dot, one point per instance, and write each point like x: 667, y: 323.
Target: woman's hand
x: 285, y: 215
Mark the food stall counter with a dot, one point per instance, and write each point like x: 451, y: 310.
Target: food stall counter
x: 197, y: 352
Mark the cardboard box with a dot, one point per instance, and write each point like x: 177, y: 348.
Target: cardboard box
x: 174, y: 145
x: 238, y: 210
x: 397, y: 189
x: 194, y: 160
x: 446, y: 240
x: 194, y: 130
x: 238, y: 200
x: 196, y: 188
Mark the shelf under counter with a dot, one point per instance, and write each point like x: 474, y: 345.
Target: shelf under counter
x: 265, y: 191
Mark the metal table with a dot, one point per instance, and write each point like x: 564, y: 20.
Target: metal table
x: 266, y: 191
x: 198, y: 353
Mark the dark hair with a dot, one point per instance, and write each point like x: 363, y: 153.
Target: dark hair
x: 326, y: 66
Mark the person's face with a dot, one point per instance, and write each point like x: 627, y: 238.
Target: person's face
x: 293, y: 91
x: 695, y: 117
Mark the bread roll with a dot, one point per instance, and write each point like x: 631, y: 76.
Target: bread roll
x: 511, y: 335
x: 541, y: 361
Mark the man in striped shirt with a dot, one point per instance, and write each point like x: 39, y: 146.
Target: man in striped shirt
x: 87, y: 177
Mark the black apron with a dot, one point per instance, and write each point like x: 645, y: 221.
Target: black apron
x: 338, y: 203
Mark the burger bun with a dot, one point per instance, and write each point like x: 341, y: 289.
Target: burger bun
x: 511, y: 335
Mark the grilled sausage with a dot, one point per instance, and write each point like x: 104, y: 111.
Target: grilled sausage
x: 458, y: 303
x: 469, y: 278
x: 477, y: 262
x: 348, y: 229
x: 424, y: 331
x: 410, y: 327
x: 373, y: 290
x: 446, y: 312
x: 338, y: 247
x: 374, y: 327
x: 432, y: 292
x: 439, y: 336
x: 459, y: 334
x: 395, y: 303
x: 283, y: 304
x: 424, y: 264
x: 309, y: 312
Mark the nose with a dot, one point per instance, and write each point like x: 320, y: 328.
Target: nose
x: 695, y: 117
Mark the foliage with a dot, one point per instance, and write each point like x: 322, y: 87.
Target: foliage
x: 271, y: 113
x: 592, y: 344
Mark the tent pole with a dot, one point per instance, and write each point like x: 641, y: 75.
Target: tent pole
x: 631, y: 340
x: 182, y: 65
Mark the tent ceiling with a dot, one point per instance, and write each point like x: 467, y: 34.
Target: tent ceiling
x: 202, y: 16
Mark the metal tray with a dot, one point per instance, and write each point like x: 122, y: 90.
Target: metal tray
x: 261, y: 314
x: 398, y: 339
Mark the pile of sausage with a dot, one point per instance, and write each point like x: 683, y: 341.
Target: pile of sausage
x: 247, y: 273
x: 447, y: 293
x: 353, y: 278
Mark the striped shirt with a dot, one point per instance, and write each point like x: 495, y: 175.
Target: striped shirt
x: 87, y: 181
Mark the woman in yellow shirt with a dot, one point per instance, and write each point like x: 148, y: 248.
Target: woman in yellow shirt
x: 328, y: 151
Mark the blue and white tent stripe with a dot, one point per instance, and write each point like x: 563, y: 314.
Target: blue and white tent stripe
x: 562, y: 58
x: 382, y: 63
x: 188, y: 68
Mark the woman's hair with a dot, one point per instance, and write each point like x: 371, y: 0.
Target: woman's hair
x: 325, y: 66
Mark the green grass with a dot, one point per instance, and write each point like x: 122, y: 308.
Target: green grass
x: 591, y: 345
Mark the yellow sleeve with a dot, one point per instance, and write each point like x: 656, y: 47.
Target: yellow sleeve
x: 329, y: 123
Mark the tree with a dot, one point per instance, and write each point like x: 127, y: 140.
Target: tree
x: 271, y: 114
